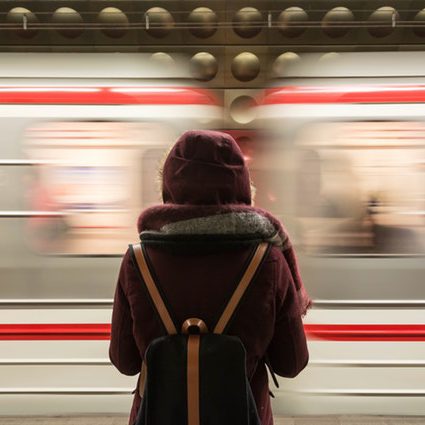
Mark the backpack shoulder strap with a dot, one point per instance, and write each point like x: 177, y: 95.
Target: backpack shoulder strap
x: 153, y: 289
x: 231, y: 306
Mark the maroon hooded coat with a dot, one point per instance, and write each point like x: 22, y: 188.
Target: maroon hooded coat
x: 199, y: 242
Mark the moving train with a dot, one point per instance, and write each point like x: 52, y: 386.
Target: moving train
x: 341, y: 162
x: 81, y: 139
x: 346, y: 169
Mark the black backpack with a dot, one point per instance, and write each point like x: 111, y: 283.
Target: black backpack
x: 196, y: 377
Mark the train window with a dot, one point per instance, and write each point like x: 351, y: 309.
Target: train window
x: 90, y: 181
x: 360, y: 187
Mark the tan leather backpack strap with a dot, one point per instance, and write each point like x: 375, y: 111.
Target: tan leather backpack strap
x: 153, y: 289
x: 241, y: 288
x: 192, y: 377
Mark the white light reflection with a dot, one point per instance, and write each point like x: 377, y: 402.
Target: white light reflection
x: 147, y: 90
x: 350, y: 89
x: 50, y: 89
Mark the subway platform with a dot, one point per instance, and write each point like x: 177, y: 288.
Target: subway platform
x: 299, y: 420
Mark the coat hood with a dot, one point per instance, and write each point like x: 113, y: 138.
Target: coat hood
x: 205, y: 168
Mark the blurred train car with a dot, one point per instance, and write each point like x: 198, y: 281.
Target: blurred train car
x: 344, y: 165
x: 81, y: 139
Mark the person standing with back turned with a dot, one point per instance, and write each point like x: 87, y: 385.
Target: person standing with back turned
x: 198, y: 242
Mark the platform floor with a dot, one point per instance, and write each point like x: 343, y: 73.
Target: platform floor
x: 305, y: 420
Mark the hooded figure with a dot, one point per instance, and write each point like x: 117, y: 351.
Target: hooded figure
x: 199, y: 241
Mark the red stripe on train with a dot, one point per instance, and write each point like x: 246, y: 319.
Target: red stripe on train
x: 74, y: 331
x: 106, y: 96
x: 367, y: 332
x: 345, y: 94
x: 101, y: 331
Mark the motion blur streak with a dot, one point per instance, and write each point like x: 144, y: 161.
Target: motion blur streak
x: 96, y: 331
x: 345, y: 94
x: 106, y: 96
x: 80, y: 331
x: 354, y: 332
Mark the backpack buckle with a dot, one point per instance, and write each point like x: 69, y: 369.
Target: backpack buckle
x: 194, y: 325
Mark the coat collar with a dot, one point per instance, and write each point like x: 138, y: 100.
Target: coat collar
x: 206, y: 220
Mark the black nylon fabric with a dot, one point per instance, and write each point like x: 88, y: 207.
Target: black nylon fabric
x: 225, y: 394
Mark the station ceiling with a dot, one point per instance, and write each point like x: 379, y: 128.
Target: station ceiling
x: 229, y: 44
